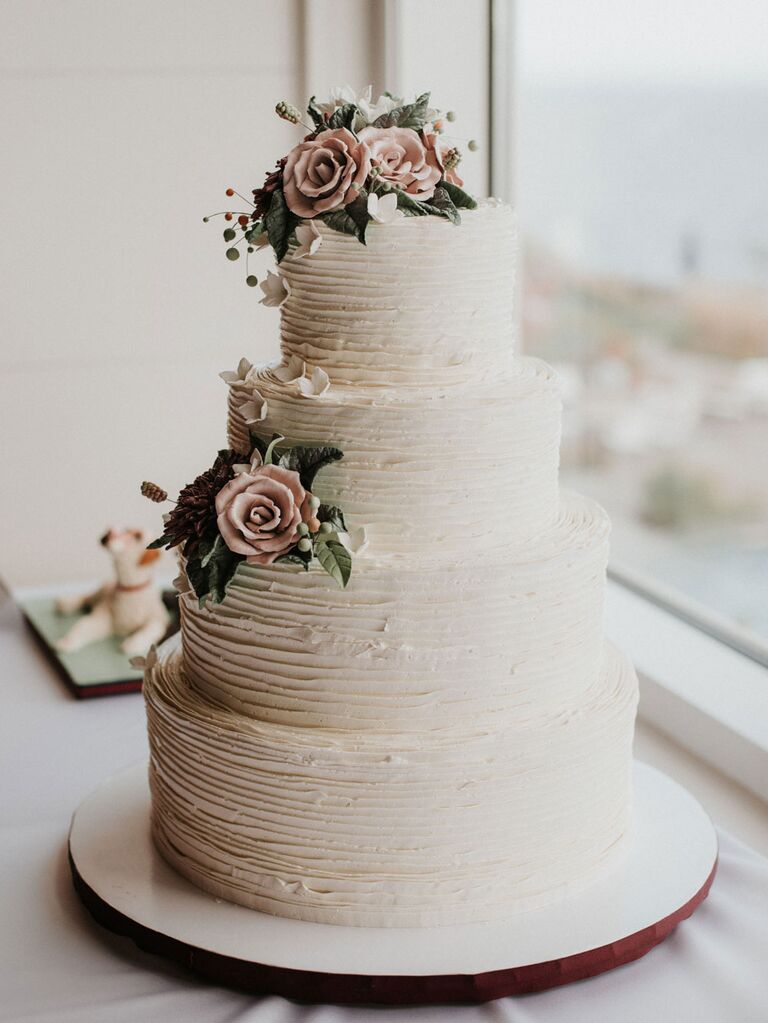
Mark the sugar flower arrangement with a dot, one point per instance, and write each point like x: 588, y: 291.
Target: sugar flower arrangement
x: 257, y: 509
x: 360, y: 161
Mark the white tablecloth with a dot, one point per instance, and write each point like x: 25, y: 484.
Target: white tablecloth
x: 57, y: 966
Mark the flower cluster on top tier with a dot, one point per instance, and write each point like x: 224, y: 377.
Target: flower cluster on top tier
x: 361, y: 161
x: 259, y: 511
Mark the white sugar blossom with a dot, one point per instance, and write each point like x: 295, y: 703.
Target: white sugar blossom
x: 238, y: 375
x: 250, y: 467
x: 337, y: 97
x: 276, y: 289
x: 314, y: 385
x: 309, y: 239
x: 254, y: 410
x: 342, y: 94
x: 145, y: 663
x: 383, y: 208
x: 383, y: 105
x: 288, y: 372
x: 356, y: 540
x: 181, y: 584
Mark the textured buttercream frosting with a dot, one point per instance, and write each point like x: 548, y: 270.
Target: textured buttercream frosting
x: 392, y: 829
x: 442, y: 470
x: 448, y: 739
x: 423, y: 302
x: 405, y: 645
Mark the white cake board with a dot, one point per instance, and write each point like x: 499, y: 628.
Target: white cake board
x: 127, y: 886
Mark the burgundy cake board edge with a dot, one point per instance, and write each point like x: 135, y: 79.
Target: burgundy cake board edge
x: 360, y: 989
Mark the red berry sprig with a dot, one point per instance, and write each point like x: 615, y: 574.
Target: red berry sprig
x: 230, y: 234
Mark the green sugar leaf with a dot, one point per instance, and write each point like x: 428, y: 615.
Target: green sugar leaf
x: 269, y: 454
x: 460, y: 199
x: 334, y: 557
x: 255, y: 232
x: 360, y: 121
x: 411, y: 207
x: 340, y: 221
x: 307, y: 461
x: 331, y: 513
x: 351, y: 219
x: 211, y: 568
x: 208, y: 549
x: 315, y: 113
x: 221, y: 569
x: 442, y: 204
x: 410, y: 115
x: 258, y: 444
x: 343, y: 117
x: 280, y: 224
x: 198, y: 578
x: 296, y: 557
x: 358, y: 212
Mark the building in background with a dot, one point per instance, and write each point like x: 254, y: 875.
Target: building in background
x: 644, y: 214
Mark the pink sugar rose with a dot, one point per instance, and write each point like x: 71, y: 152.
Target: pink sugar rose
x: 453, y: 178
x: 259, y: 513
x: 325, y: 173
x: 403, y: 159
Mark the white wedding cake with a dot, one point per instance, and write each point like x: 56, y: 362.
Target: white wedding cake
x: 403, y: 713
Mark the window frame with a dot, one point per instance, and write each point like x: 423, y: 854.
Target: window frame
x: 696, y: 689
x: 703, y: 680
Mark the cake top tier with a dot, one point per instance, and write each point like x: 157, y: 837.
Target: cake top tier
x: 388, y: 272
x: 424, y: 302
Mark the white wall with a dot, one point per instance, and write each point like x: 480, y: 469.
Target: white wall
x: 122, y: 122
x: 443, y: 45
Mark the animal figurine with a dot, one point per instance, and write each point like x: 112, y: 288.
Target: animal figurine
x: 131, y: 607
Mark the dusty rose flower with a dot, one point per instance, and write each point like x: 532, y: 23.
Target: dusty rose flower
x: 404, y: 160
x: 453, y: 178
x: 325, y: 173
x: 432, y: 142
x: 258, y: 512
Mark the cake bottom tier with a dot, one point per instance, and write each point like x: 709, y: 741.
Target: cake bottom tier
x: 388, y: 830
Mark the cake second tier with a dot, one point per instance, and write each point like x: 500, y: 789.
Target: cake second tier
x: 452, y: 470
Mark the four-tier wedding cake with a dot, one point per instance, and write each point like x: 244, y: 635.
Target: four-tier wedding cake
x: 392, y: 703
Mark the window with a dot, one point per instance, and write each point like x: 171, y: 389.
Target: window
x: 642, y: 148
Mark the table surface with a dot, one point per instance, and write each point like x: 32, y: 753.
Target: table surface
x: 57, y: 966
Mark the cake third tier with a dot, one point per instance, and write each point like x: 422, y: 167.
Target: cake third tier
x: 410, y: 647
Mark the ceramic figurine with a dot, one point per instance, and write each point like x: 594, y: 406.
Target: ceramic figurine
x: 130, y: 608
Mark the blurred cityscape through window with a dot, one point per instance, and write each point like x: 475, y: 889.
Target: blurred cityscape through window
x: 642, y: 184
